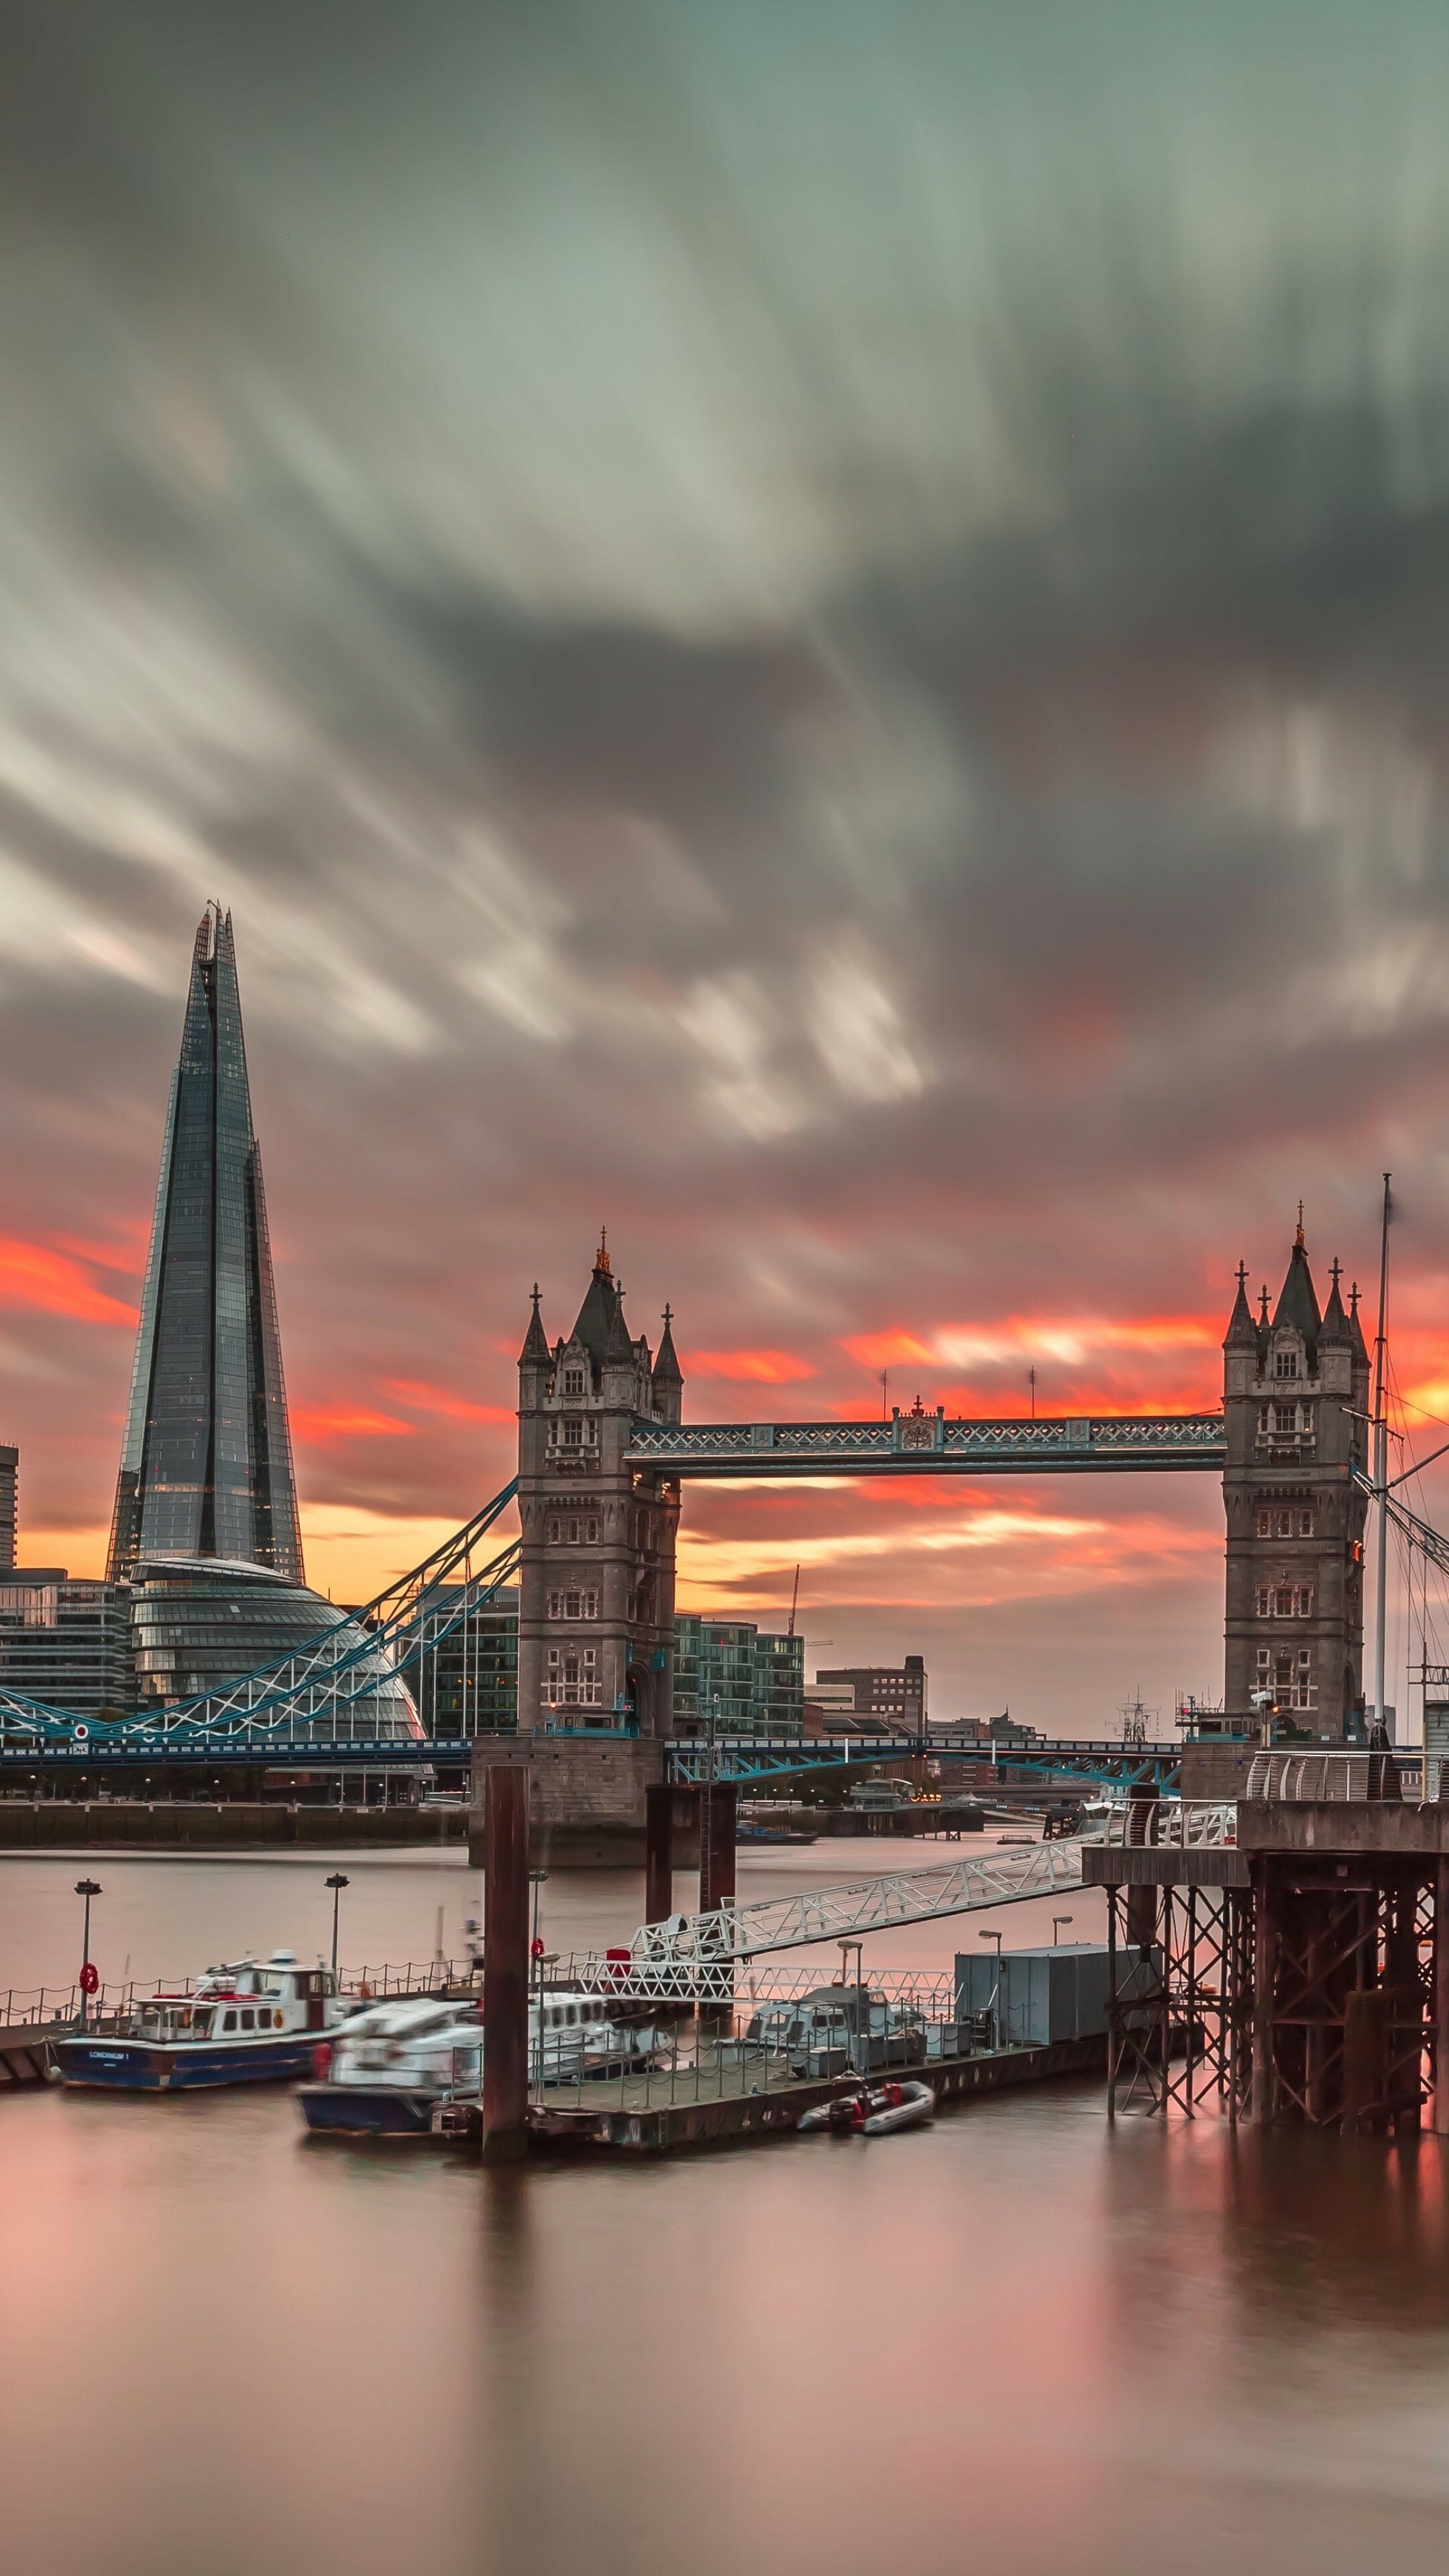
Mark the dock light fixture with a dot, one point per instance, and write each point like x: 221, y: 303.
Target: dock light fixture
x: 1057, y: 1921
x: 993, y: 1936
x: 336, y: 1882
x: 86, y: 1887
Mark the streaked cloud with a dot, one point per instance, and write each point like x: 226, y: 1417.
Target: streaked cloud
x: 53, y: 1283
x: 750, y: 672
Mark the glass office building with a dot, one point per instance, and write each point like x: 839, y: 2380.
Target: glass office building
x: 466, y: 1683
x: 201, y: 1625
x: 206, y: 1469
x: 757, y: 1678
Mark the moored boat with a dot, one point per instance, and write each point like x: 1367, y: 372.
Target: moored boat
x: 248, y: 2022
x: 416, y: 2069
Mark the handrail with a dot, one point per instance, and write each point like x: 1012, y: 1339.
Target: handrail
x: 1173, y: 1824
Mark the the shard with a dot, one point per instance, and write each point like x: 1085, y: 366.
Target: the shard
x: 207, y: 1465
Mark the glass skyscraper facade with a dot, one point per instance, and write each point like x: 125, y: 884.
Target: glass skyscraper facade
x: 206, y: 1470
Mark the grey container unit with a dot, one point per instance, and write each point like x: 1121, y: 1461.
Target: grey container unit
x: 1038, y: 1996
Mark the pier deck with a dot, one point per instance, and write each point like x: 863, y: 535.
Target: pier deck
x: 651, y: 2114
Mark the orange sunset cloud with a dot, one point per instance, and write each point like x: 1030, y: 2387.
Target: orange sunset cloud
x: 54, y: 1283
x: 437, y: 1399
x: 322, y: 1424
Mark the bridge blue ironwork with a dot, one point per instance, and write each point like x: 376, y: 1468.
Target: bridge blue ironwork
x: 743, y: 1758
x: 688, y: 1759
x: 293, y: 1703
x: 928, y: 1443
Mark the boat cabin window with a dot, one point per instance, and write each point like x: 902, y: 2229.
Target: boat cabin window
x: 571, y: 2015
x: 201, y: 2025
x: 246, y: 2021
x: 228, y: 2021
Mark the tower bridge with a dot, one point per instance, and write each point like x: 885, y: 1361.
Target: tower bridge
x: 604, y: 1453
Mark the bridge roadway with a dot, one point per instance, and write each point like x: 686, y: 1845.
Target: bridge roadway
x: 690, y: 1759
x: 927, y: 1443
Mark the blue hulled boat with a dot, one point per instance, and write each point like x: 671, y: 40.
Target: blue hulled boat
x: 253, y: 2022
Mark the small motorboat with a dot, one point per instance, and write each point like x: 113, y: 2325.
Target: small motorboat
x: 874, y: 2112
x: 254, y: 2021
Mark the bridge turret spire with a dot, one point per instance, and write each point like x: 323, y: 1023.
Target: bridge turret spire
x: 1336, y: 1328
x: 1242, y: 1332
x: 535, y: 1351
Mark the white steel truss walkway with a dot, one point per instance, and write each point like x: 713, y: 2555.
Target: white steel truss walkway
x: 693, y: 1957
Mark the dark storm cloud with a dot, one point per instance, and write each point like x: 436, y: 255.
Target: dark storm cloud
x: 819, y: 633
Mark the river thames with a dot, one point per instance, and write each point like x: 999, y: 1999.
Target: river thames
x: 1016, y: 2339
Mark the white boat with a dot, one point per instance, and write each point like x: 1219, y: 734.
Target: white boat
x: 873, y: 2113
x: 398, y: 2068
x: 246, y: 2022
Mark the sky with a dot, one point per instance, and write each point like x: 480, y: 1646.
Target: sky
x: 814, y: 632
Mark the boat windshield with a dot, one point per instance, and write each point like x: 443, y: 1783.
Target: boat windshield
x: 174, y: 2021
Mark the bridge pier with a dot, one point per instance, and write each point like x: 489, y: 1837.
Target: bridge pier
x: 587, y: 1807
x: 1305, y: 1967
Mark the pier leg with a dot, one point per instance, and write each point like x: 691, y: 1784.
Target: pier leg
x: 1441, y: 1999
x: 658, y: 1851
x: 505, y: 1965
x: 1114, y: 2016
x: 1265, y: 1982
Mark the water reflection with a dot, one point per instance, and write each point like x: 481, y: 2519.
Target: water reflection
x: 1017, y: 2338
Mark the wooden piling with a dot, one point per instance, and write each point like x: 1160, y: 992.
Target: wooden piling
x: 717, y: 1822
x: 658, y: 1851
x: 505, y: 1964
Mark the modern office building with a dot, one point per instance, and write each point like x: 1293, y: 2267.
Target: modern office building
x: 200, y: 1624
x: 892, y: 1693
x: 206, y: 1469
x: 9, y: 1476
x: 757, y: 1678
x: 66, y: 1641
x: 467, y: 1683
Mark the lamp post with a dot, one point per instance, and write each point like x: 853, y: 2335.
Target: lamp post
x: 995, y: 2004
x: 86, y: 1887
x: 538, y: 1879
x: 336, y: 1882
x: 1057, y: 1921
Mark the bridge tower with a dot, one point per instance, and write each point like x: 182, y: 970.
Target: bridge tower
x: 596, y: 1578
x: 1295, y: 1397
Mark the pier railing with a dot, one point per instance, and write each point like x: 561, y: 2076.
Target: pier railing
x: 1176, y: 1824
x: 36, y: 2008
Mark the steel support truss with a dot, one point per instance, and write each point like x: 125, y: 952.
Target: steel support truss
x: 1310, y: 1998
x: 1179, y: 1999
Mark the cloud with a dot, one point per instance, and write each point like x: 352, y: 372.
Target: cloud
x: 31, y: 1275
x: 761, y: 1368
x: 319, y: 1425
x: 745, y: 670
x: 437, y: 1399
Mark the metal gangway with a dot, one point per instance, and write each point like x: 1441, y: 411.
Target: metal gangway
x: 694, y: 1958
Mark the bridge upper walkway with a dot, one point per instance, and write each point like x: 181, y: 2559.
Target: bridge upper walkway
x: 928, y: 1443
